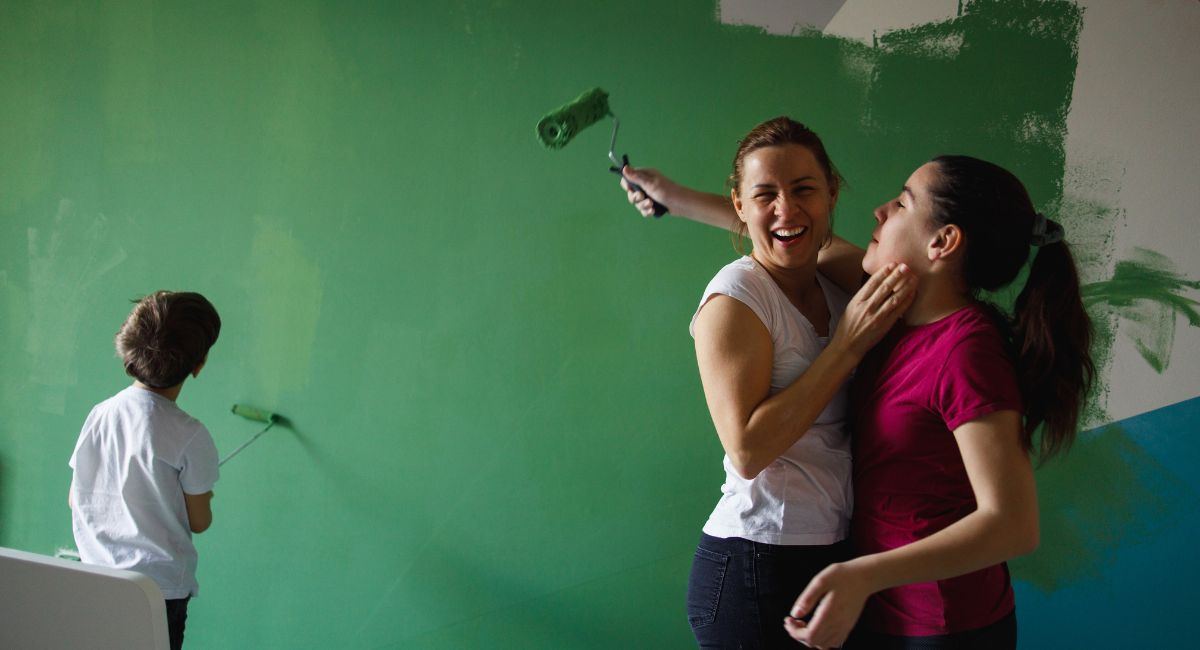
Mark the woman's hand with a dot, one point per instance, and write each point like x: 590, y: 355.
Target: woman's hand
x: 655, y: 187
x: 681, y: 201
x: 837, y: 594
x: 876, y: 307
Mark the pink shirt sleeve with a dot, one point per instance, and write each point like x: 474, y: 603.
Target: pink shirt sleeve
x: 977, y: 378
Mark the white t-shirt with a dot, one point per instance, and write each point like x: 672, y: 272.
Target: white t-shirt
x: 137, y: 454
x: 804, y: 497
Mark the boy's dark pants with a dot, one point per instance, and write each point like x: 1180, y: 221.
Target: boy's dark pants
x: 176, y: 618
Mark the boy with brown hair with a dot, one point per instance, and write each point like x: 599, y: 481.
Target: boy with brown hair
x: 143, y: 469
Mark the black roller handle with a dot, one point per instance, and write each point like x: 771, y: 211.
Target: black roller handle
x: 659, y: 209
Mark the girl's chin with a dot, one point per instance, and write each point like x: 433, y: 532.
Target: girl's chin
x: 869, y: 265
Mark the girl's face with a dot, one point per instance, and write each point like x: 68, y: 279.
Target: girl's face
x: 786, y: 201
x: 904, y: 225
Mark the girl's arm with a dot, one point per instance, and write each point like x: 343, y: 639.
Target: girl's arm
x: 1003, y: 526
x: 735, y: 353
x: 841, y: 261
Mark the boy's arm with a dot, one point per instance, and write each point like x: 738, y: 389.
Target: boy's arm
x: 199, y: 510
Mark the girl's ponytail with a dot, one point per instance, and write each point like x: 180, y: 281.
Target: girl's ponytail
x: 1052, y: 334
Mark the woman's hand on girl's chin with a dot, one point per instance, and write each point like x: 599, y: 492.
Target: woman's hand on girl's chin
x: 876, y: 307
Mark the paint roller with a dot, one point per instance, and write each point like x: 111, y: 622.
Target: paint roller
x: 557, y: 128
x: 256, y: 414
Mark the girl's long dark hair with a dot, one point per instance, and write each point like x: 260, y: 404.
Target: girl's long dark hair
x: 1050, y: 331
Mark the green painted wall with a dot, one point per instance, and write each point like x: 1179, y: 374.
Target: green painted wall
x: 499, y: 436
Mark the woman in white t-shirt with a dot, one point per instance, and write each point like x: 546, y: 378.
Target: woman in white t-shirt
x: 775, y: 343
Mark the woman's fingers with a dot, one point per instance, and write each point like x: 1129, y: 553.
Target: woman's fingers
x: 904, y: 296
x: 638, y: 199
x: 892, y: 289
x: 651, y: 184
x: 872, y: 284
x: 882, y: 300
x: 646, y: 207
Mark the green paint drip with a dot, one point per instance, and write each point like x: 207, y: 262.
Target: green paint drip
x: 1146, y: 294
x: 1106, y: 494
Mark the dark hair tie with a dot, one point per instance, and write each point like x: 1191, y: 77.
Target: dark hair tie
x: 1045, y: 231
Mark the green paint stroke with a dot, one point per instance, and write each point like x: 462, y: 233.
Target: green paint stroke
x: 1107, y: 494
x: 1146, y: 294
x: 991, y: 49
x: 286, y: 286
x: 69, y: 256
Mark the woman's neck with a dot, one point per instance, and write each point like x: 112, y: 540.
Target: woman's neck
x: 803, y: 291
x: 796, y: 283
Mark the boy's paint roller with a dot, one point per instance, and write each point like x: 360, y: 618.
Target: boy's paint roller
x: 256, y: 414
x: 557, y: 128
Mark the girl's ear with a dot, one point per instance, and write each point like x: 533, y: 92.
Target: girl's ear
x: 946, y: 241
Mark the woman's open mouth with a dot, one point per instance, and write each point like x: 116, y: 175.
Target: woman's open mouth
x: 788, y: 235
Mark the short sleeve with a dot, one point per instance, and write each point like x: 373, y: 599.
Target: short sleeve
x: 977, y: 379
x: 87, y: 425
x: 199, y: 471
x: 738, y: 281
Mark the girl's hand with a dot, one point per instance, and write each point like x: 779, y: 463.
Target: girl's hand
x: 876, y: 307
x: 837, y: 594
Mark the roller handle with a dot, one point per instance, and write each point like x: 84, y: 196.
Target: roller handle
x: 659, y: 209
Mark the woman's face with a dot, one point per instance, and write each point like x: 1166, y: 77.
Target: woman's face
x: 904, y: 225
x: 786, y: 201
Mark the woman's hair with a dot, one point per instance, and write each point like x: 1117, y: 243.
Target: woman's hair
x: 1051, y: 332
x: 777, y: 132
x: 166, y: 336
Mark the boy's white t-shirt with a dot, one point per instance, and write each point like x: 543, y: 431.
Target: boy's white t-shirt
x: 137, y: 454
x: 804, y: 497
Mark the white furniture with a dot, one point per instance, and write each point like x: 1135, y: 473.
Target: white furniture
x: 48, y: 603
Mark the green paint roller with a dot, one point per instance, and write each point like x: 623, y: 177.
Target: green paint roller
x: 256, y: 414
x: 251, y: 413
x: 557, y: 128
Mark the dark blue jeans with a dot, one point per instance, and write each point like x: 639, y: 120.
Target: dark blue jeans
x: 739, y: 591
x: 176, y: 619
x: 1001, y: 635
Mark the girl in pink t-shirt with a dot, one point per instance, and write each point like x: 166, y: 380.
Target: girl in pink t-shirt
x: 947, y: 406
